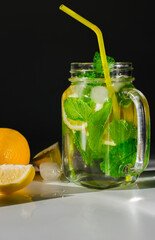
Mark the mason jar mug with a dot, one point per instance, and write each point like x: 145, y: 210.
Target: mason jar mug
x: 105, y: 133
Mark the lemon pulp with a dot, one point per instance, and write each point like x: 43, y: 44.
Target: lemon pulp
x: 15, y: 177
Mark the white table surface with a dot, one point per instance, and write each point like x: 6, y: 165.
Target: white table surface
x: 62, y: 210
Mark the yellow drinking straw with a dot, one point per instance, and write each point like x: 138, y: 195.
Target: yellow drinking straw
x: 102, y: 53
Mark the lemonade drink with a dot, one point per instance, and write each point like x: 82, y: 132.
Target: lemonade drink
x: 105, y: 122
x: 98, y: 149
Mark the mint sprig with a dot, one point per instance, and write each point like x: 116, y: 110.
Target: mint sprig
x: 97, y: 64
x: 90, y: 157
x: 118, y: 157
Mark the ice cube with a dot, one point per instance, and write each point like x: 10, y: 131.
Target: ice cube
x: 50, y: 171
x: 99, y: 94
x: 117, y: 85
x: 79, y: 88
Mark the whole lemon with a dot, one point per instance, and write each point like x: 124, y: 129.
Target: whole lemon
x: 14, y: 148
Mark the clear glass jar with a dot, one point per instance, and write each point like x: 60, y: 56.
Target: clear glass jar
x: 102, y: 149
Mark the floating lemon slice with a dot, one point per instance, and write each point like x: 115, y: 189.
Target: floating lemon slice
x: 15, y: 177
x: 72, y: 124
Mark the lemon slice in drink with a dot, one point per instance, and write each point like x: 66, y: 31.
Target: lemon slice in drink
x: 72, y: 124
x: 15, y: 177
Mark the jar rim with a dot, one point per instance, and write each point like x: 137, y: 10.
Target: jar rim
x: 99, y: 63
x: 91, y: 64
x: 119, y: 71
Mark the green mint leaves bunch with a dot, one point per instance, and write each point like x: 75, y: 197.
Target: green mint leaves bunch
x: 98, y: 71
x: 111, y: 159
x: 97, y: 64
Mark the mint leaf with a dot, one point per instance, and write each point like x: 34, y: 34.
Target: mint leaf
x: 97, y: 70
x: 118, y: 157
x: 86, y: 95
x: 86, y: 75
x: 82, y: 145
x: 123, y: 100
x: 96, y: 126
x: 78, y: 143
x: 121, y: 130
x: 97, y: 64
x: 76, y: 109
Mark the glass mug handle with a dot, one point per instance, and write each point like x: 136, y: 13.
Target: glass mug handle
x: 142, y: 110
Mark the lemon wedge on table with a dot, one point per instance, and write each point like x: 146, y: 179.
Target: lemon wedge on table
x: 15, y: 177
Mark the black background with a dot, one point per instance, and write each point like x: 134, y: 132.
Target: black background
x: 37, y: 44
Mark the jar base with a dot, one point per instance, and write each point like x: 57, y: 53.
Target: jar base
x: 101, y: 181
